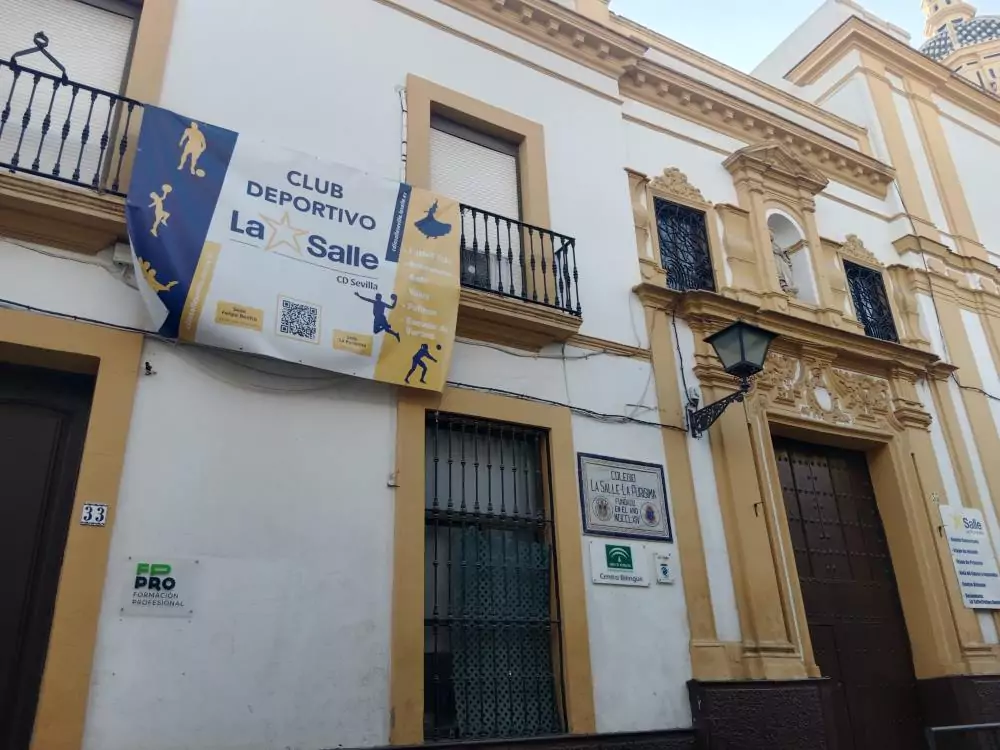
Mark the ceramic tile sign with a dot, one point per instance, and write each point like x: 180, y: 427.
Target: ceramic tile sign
x: 618, y: 563
x: 622, y: 498
x: 158, y: 587
x: 973, y: 556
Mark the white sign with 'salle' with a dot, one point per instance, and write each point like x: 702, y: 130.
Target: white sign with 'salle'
x: 623, y: 498
x: 619, y: 563
x: 158, y: 587
x: 973, y: 556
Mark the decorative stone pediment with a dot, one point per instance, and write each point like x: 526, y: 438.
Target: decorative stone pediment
x: 813, y: 388
x: 854, y: 249
x: 772, y: 161
x: 673, y: 183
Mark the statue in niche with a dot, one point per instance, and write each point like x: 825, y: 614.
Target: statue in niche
x: 783, y: 260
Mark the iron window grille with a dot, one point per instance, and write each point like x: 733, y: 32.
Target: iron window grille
x: 871, y: 302
x: 491, y: 619
x: 684, y: 251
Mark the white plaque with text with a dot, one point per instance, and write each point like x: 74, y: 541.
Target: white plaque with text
x: 623, y: 498
x: 973, y: 556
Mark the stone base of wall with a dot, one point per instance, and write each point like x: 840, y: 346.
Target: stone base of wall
x: 679, y: 739
x: 763, y: 714
x: 968, y: 699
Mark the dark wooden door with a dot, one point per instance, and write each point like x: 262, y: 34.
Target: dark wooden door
x: 43, y: 422
x: 852, y: 606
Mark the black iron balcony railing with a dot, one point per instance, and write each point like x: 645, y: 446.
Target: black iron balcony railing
x: 518, y: 260
x: 56, y: 128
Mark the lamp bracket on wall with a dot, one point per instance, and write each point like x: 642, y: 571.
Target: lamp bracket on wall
x: 699, y: 420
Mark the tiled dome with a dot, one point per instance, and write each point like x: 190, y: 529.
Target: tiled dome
x: 973, y: 31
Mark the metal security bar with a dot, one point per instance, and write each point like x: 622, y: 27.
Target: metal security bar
x: 964, y: 737
x: 491, y: 619
x: 56, y: 128
x: 684, y: 250
x: 509, y: 257
x: 870, y: 301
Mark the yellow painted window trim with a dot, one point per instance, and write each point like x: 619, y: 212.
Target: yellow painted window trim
x: 407, y: 647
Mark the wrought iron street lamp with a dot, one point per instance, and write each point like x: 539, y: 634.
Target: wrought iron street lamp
x: 742, y: 349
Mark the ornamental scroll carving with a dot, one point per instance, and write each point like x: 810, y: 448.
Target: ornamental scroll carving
x: 854, y: 249
x: 673, y: 182
x: 814, y: 389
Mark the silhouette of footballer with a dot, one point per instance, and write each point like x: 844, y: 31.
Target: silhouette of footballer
x: 422, y: 353
x: 380, y: 322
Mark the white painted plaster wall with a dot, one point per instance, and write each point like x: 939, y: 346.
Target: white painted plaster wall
x: 713, y: 533
x: 952, y: 495
x: 275, y: 477
x: 836, y: 220
x: 282, y: 497
x: 922, y: 165
x: 639, y: 637
x: 819, y: 91
x: 977, y: 160
x: 651, y: 151
x: 823, y: 22
x: 684, y: 130
x: 800, y: 42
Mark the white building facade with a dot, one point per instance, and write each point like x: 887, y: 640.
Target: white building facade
x: 370, y: 565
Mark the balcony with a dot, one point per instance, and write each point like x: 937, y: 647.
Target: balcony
x: 520, y: 283
x: 65, y: 157
x: 57, y: 136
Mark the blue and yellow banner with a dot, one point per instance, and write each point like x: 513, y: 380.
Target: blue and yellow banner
x: 256, y: 248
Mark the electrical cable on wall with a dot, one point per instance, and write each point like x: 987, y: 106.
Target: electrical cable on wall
x: 934, y: 304
x: 330, y: 380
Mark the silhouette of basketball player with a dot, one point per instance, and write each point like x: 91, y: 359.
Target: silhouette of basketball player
x: 381, y: 322
x: 422, y: 353
x: 150, y: 273
x: 193, y: 142
x: 160, y: 214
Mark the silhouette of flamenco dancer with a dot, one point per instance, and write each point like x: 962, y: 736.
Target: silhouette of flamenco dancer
x: 430, y: 227
x: 422, y: 353
x: 381, y: 322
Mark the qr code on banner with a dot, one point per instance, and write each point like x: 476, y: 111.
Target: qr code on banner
x: 298, y: 320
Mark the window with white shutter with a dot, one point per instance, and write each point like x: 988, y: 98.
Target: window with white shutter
x: 480, y: 171
x: 92, y: 39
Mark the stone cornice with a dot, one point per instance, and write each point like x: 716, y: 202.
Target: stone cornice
x: 856, y: 34
x: 48, y: 212
x: 694, y: 100
x: 561, y: 30
x: 857, y: 351
x: 745, y: 81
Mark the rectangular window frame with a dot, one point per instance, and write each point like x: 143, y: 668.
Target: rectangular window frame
x: 710, y: 277
x: 407, y: 639
x: 476, y: 269
x: 870, y: 326
x: 449, y: 504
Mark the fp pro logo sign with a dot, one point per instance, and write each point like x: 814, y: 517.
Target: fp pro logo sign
x: 618, y: 557
x: 154, y: 577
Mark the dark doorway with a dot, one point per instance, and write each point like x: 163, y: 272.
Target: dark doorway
x: 852, y: 606
x: 43, y: 422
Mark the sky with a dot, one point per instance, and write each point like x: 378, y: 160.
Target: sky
x: 741, y: 33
